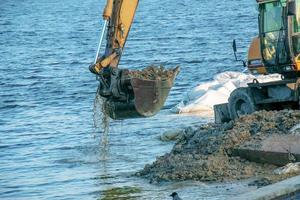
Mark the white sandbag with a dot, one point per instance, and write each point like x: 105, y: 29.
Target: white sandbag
x: 204, y: 96
x: 199, y: 90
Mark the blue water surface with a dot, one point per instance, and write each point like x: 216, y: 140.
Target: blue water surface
x: 49, y: 147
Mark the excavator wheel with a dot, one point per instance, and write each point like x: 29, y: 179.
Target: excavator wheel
x: 241, y: 103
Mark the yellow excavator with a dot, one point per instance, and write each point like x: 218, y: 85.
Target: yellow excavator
x: 124, y: 95
x: 275, y: 50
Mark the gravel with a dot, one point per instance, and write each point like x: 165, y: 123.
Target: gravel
x: 204, y: 153
x: 154, y: 73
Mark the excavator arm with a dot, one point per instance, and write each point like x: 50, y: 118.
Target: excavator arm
x: 127, y: 94
x: 119, y: 14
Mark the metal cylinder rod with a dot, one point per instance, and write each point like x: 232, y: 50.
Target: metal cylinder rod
x: 100, y: 41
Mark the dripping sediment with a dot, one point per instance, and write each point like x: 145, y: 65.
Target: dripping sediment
x: 101, y: 119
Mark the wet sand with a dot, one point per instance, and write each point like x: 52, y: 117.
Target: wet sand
x: 154, y: 73
x: 205, y: 153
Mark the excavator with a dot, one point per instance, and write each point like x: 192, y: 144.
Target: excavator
x: 276, y: 50
x: 124, y: 95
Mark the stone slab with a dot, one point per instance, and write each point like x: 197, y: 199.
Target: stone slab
x: 275, y: 149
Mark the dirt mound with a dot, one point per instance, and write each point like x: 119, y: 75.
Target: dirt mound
x: 154, y: 73
x: 204, y: 154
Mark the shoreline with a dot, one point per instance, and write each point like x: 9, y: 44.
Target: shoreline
x: 205, y: 153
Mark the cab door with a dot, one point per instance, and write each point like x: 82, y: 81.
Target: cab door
x: 273, y: 35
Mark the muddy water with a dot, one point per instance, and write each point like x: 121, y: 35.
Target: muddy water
x: 48, y: 145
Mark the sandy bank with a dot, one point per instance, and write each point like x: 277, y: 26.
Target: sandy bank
x: 205, y: 153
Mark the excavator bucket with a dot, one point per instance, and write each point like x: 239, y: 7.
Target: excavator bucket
x: 148, y: 97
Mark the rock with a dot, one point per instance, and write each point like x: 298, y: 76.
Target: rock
x: 260, y: 182
x: 172, y: 135
x: 290, y: 168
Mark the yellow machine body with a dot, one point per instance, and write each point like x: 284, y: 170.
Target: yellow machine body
x: 120, y: 15
x: 255, y: 64
x: 277, y: 47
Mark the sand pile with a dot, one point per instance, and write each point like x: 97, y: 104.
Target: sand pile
x: 204, y: 154
x: 154, y: 73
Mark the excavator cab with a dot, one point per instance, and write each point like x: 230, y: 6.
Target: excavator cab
x: 277, y: 48
x: 125, y: 93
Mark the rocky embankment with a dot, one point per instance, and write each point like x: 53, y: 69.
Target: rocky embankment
x: 205, y: 153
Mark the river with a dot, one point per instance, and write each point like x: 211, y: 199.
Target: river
x: 49, y: 147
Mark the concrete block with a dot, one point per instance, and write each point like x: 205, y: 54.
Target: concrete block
x: 287, y: 189
x: 275, y: 149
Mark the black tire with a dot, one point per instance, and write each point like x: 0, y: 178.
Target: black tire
x: 241, y: 103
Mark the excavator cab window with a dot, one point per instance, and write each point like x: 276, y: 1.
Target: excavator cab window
x: 272, y: 34
x: 296, y: 29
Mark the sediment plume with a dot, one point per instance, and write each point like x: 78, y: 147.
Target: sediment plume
x: 101, y: 119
